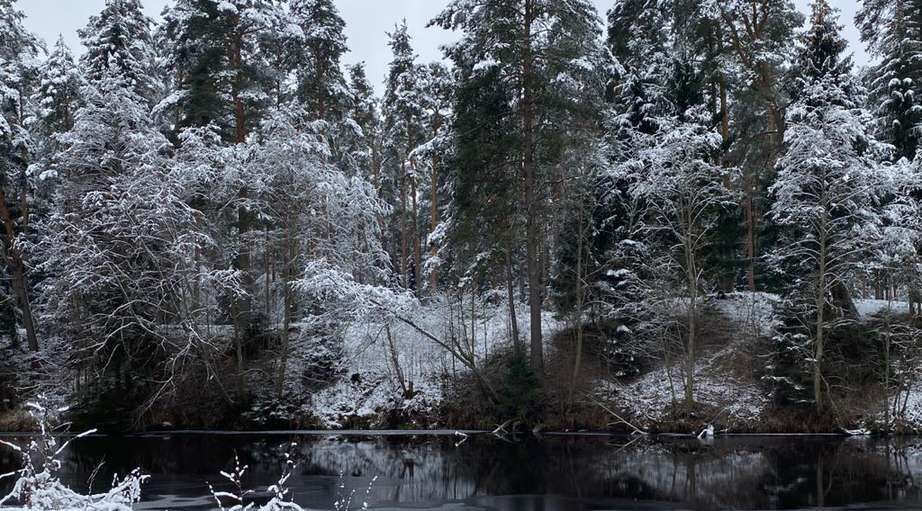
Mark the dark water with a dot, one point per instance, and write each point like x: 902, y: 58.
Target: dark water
x: 554, y: 474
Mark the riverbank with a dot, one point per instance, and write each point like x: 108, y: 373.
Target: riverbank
x: 372, y: 378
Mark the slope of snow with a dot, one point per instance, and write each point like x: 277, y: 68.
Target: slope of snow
x: 370, y: 384
x: 650, y: 398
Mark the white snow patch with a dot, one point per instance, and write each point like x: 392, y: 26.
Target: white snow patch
x: 651, y: 396
x: 870, y: 307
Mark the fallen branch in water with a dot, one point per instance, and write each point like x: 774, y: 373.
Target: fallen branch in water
x: 621, y: 420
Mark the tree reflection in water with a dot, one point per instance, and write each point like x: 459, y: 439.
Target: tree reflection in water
x: 554, y: 474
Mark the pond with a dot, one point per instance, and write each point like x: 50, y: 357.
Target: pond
x: 556, y: 473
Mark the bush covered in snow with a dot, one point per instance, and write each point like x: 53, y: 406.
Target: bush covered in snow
x: 38, y: 486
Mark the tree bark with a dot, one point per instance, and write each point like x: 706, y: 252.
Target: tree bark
x: 510, y: 297
x: 532, y: 232
x: 433, y: 223
x: 579, y: 309
x: 404, y: 237
x: 750, y: 232
x: 724, y: 115
x: 288, y: 253
x: 820, y: 326
x: 417, y: 248
x: 242, y: 305
x: 691, y: 275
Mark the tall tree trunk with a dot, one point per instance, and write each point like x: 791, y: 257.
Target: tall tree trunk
x: 691, y: 275
x: 510, y: 296
x: 404, y: 235
x: 724, y: 114
x: 241, y: 305
x: 18, y: 267
x: 579, y: 308
x: 750, y: 232
x: 417, y: 248
x: 433, y: 223
x: 267, y: 268
x: 887, y: 411
x: 533, y: 212
x: 288, y: 255
x: 395, y: 360
x: 819, y: 347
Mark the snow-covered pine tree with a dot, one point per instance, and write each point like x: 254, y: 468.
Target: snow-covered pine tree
x: 759, y: 40
x: 222, y: 61
x: 612, y: 273
x: 57, y: 95
x: 316, y: 55
x: 821, y: 49
x: 826, y: 199
x: 892, y: 31
x: 637, y: 29
x: 118, y: 41
x: 225, y: 62
x: 55, y: 100
x: 480, y: 232
x: 363, y: 137
x: 437, y: 86
x: 402, y: 111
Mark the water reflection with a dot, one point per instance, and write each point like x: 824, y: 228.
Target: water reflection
x: 555, y: 474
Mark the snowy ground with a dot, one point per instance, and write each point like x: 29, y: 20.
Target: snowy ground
x: 913, y: 416
x: 736, y: 400
x: 370, y: 383
x: 751, y: 312
x: 650, y: 398
x: 870, y: 307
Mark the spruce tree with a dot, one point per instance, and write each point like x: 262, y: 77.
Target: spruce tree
x: 892, y: 31
x: 825, y: 196
x: 402, y: 113
x: 363, y: 110
x: 57, y: 96
x: 821, y: 50
x: 316, y: 56
x: 118, y: 40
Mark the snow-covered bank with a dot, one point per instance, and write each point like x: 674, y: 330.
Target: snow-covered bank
x: 728, y: 390
x: 392, y: 369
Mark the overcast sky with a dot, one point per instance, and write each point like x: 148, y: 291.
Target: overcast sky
x: 367, y: 21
